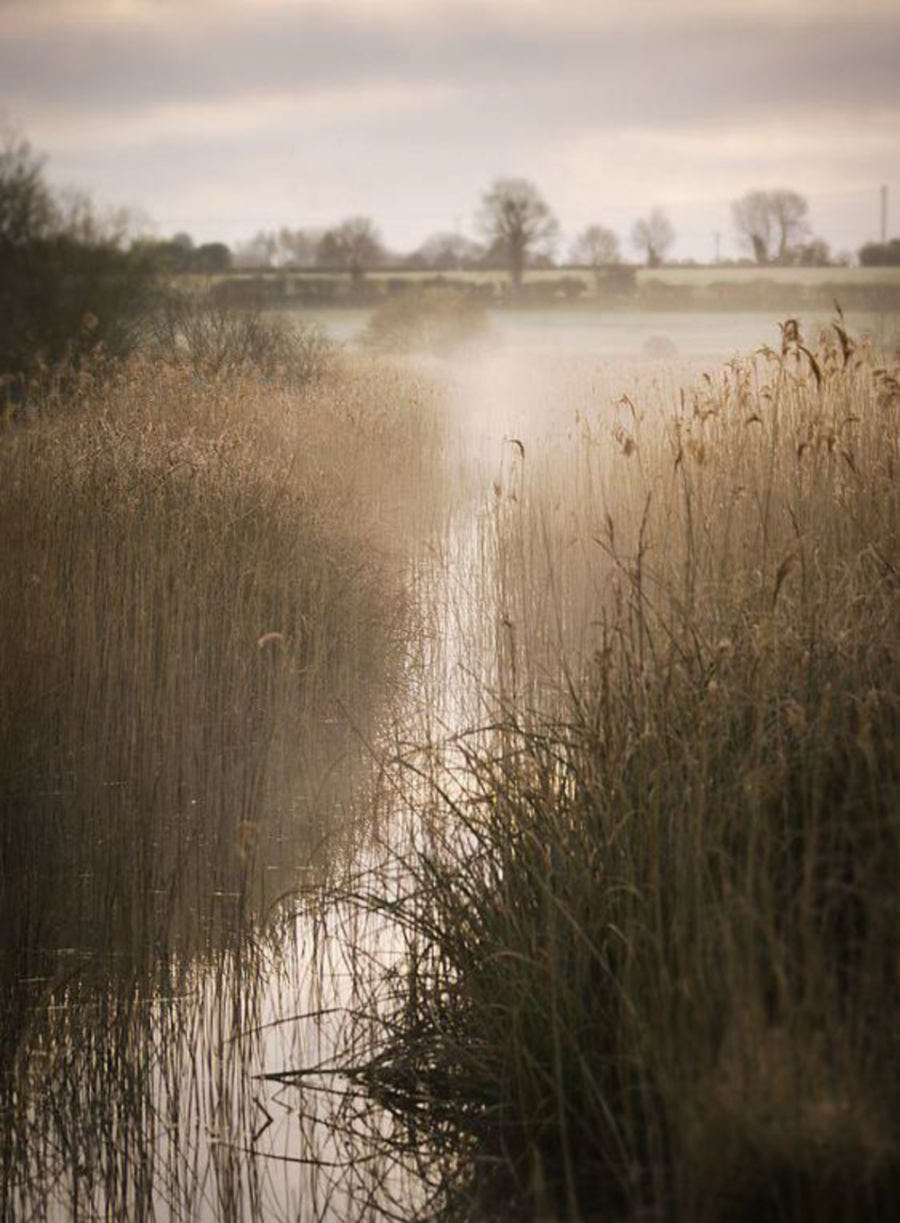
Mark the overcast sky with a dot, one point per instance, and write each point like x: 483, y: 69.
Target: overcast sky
x: 221, y: 117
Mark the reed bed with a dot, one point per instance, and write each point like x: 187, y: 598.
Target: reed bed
x: 204, y: 613
x: 202, y: 605
x: 651, y: 920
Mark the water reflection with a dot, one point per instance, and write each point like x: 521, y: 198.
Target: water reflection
x: 194, y: 1041
x: 179, y: 1031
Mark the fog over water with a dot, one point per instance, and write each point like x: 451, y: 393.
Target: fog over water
x: 653, y: 335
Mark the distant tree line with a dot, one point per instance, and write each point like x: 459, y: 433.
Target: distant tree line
x: 73, y: 281
x: 880, y: 254
x: 179, y: 254
x: 518, y: 230
x: 516, y: 227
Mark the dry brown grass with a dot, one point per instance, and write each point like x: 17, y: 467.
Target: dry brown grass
x: 653, y: 930
x: 202, y: 600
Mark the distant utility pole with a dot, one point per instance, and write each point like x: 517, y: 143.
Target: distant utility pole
x: 884, y: 208
x: 718, y: 238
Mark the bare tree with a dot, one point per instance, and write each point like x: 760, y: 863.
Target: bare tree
x: 595, y: 247
x: 27, y: 209
x: 298, y: 248
x: 354, y: 244
x: 446, y: 251
x: 78, y: 218
x: 815, y: 253
x: 752, y: 218
x: 67, y: 285
x: 771, y: 223
x: 515, y: 217
x: 283, y: 248
x: 653, y: 235
x: 260, y: 251
x: 789, y: 215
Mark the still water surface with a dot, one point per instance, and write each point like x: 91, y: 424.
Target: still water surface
x: 208, y: 1082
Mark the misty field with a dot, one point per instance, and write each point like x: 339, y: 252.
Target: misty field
x: 606, y: 290
x: 454, y: 787
x: 706, y: 335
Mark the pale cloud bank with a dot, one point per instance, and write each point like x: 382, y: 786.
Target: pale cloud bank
x: 217, y: 115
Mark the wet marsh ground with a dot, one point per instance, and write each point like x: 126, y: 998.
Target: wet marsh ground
x: 465, y: 789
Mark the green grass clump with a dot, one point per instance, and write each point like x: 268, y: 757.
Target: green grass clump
x: 652, y: 932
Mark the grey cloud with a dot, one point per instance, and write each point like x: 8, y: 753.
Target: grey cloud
x: 407, y: 116
x: 638, y: 70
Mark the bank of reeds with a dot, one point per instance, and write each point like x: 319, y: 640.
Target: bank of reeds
x: 201, y: 603
x: 652, y: 924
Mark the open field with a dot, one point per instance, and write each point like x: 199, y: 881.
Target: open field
x: 697, y: 276
x: 839, y: 277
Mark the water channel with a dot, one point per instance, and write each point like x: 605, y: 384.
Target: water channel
x: 225, y: 1090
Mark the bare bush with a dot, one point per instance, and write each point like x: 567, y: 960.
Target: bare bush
x: 213, y: 337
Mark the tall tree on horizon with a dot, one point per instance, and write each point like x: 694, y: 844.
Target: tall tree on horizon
x: 653, y: 235
x: 355, y: 244
x: 771, y: 223
x: 596, y: 248
x: 516, y: 217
